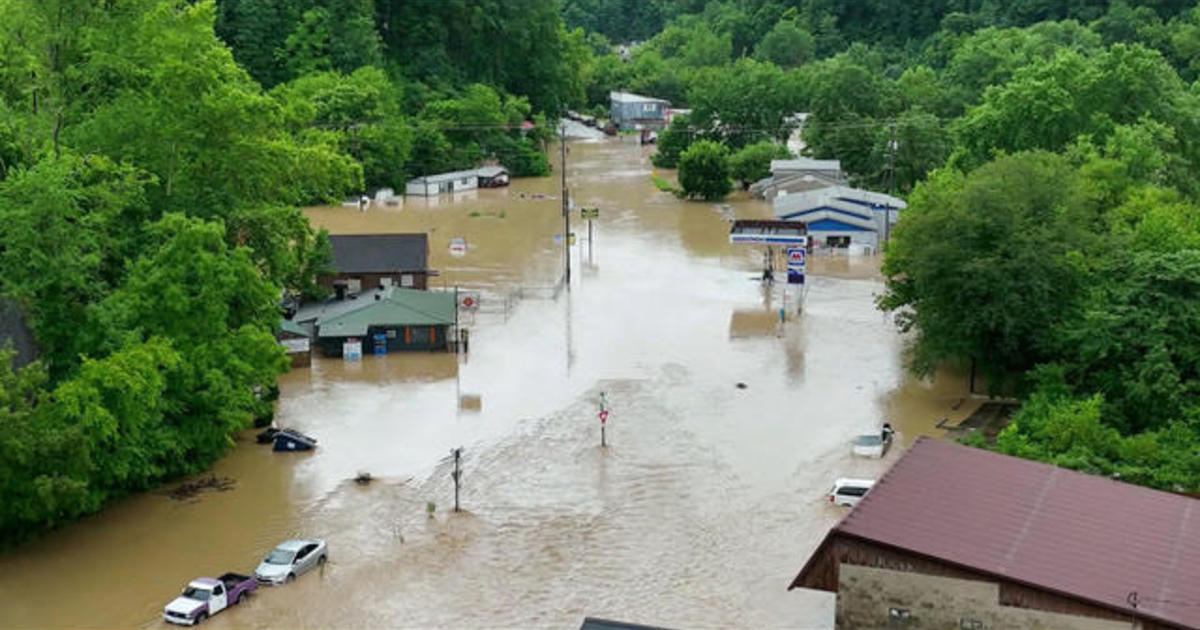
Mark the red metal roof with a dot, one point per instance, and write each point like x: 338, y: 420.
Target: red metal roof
x: 1079, y: 535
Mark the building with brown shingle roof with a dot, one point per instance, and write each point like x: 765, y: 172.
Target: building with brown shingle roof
x: 957, y: 537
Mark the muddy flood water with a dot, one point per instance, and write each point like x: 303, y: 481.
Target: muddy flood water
x: 697, y: 515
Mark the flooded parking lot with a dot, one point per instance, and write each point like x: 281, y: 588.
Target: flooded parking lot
x: 697, y: 515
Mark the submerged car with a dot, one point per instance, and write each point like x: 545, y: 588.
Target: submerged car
x: 290, y: 559
x: 874, y: 445
x: 849, y: 492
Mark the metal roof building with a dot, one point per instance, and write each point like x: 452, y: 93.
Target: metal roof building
x: 840, y: 216
x: 380, y: 253
x: 993, y: 541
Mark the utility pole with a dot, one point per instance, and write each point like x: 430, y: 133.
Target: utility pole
x: 566, y: 206
x: 891, y: 169
x: 603, y: 419
x: 362, y: 204
x: 457, y: 474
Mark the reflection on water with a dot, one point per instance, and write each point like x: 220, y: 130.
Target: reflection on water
x: 697, y: 515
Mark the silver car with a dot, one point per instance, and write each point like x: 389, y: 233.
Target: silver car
x: 290, y: 559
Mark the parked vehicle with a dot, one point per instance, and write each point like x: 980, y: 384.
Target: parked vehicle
x: 874, y: 444
x: 205, y: 597
x: 290, y: 559
x: 848, y: 491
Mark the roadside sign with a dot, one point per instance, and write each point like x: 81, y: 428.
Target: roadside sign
x: 468, y: 300
x: 795, y: 276
x: 589, y: 213
x: 603, y: 416
x: 458, y: 246
x: 796, y: 257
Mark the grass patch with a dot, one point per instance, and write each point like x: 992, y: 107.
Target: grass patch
x: 662, y: 184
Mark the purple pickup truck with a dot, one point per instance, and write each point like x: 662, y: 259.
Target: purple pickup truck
x: 204, y: 597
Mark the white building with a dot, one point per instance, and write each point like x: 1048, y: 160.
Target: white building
x: 431, y: 185
x: 798, y: 175
x: 842, y: 217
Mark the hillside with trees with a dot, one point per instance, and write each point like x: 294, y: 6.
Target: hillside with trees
x: 1046, y: 151
x: 154, y: 155
x: 153, y: 158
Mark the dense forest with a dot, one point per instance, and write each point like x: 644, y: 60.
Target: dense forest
x: 154, y: 153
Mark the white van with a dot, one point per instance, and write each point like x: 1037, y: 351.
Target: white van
x: 847, y: 491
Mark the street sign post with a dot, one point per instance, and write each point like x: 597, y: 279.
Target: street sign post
x: 603, y: 415
x: 796, y: 263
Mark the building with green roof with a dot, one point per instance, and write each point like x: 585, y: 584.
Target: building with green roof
x: 393, y: 318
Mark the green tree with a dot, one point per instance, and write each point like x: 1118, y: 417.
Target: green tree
x: 1009, y: 258
x: 67, y: 225
x: 704, y: 170
x: 673, y: 141
x: 787, y: 45
x: 211, y: 153
x: 745, y: 102
x: 753, y: 161
x: 218, y: 312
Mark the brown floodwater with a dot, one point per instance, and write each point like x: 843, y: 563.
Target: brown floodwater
x: 705, y: 503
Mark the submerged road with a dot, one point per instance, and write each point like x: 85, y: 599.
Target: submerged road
x: 703, y: 507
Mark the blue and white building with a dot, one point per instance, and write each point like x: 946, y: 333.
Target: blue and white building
x: 840, y: 216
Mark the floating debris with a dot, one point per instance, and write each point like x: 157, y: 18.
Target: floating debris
x: 742, y: 385
x: 190, y: 489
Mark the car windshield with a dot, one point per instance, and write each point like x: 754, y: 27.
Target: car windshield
x: 280, y: 556
x: 192, y: 592
x: 868, y: 440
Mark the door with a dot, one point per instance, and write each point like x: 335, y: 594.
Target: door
x: 304, y: 559
x: 218, y: 600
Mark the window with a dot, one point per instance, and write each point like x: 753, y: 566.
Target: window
x: 219, y: 590
x: 838, y: 241
x: 406, y: 280
x: 852, y: 491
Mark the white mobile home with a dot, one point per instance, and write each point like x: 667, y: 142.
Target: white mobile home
x: 431, y: 185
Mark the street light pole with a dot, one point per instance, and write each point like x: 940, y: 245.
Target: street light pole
x: 887, y: 212
x: 566, y: 206
x: 457, y: 474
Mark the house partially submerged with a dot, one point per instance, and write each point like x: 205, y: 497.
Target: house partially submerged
x: 443, y: 183
x: 634, y: 111
x: 840, y: 216
x: 296, y: 341
x: 492, y: 176
x: 15, y: 333
x: 384, y: 320
x: 958, y: 537
x: 368, y: 261
x: 798, y: 175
